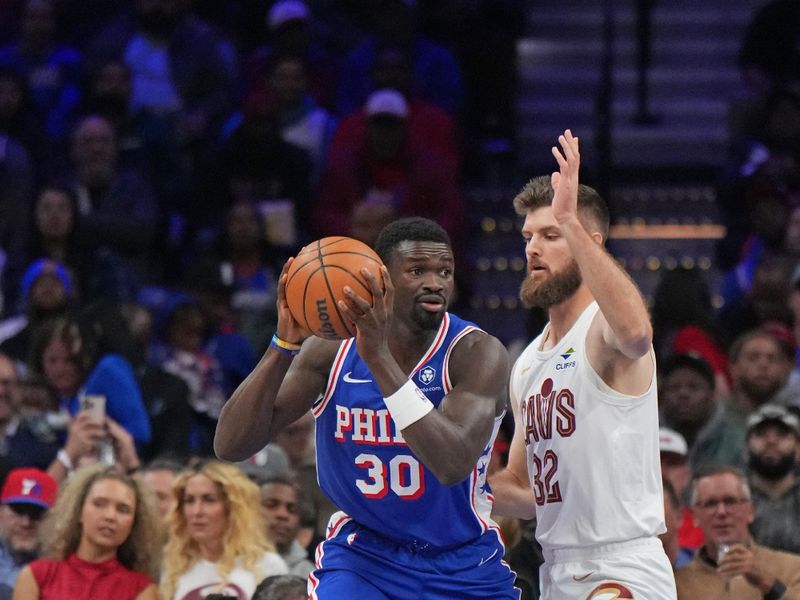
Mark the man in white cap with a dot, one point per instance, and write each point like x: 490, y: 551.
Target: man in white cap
x: 382, y: 157
x: 674, y: 454
x: 773, y: 443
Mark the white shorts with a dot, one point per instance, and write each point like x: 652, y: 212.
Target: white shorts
x: 636, y: 569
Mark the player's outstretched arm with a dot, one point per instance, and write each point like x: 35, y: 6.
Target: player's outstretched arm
x: 625, y: 326
x: 280, y: 389
x: 511, y: 487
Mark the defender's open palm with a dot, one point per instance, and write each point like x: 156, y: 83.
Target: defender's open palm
x: 565, y: 180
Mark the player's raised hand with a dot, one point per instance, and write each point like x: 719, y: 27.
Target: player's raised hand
x: 565, y: 180
x: 288, y: 328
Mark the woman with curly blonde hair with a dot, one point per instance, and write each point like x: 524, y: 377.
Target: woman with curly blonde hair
x: 100, y: 542
x: 216, y: 539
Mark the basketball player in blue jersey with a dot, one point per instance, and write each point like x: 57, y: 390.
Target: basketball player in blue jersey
x: 584, y: 459
x: 406, y: 415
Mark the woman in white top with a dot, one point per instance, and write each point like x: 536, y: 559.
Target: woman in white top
x: 216, y: 539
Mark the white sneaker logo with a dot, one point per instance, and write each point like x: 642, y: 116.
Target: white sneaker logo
x: 348, y: 379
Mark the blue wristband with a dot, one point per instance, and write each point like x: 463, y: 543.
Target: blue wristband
x: 284, y: 347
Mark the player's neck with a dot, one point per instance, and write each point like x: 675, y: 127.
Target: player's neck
x: 408, y: 345
x: 564, y: 315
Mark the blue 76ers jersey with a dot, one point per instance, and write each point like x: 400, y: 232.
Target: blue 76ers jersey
x: 366, y: 468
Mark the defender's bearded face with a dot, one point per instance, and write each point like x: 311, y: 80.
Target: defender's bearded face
x: 544, y: 290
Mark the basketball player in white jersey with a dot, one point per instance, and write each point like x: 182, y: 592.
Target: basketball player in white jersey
x: 585, y: 459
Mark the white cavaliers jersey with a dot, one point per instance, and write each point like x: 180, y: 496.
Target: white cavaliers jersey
x: 592, y: 453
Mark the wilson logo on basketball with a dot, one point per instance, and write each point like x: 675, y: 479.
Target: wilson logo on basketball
x: 609, y: 591
x: 325, y: 326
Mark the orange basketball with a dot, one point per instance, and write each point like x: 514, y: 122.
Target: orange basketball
x: 316, y: 280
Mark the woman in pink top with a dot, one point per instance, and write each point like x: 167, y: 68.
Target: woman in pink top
x: 101, y: 542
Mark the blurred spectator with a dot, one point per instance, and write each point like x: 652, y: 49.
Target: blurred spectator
x: 674, y: 454
x: 687, y: 405
x: 183, y: 354
x: 158, y: 476
x: 525, y: 557
x: 683, y: 322
x: 791, y: 235
x: 180, y: 66
x: 271, y: 461
x: 260, y: 166
x: 16, y: 182
x: 769, y: 56
x: 165, y: 395
x: 760, y: 367
x: 83, y: 437
x: 754, y: 203
x: 281, y: 501
x: 297, y: 440
x: 26, y: 497
x: 282, y: 587
x: 147, y: 140
x: 773, y: 447
x: 675, y: 471
x: 765, y: 301
x: 673, y: 514
x: 216, y: 539
x: 212, y: 283
x: 118, y: 210
x: 730, y: 565
x: 27, y: 437
x: 484, y: 36
x: 794, y: 308
x: 246, y: 274
x: 371, y: 215
x: 66, y: 355
x: 52, y: 69
x: 17, y: 119
x: 419, y: 180
x: 301, y: 121
x: 46, y: 291
x: 763, y: 363
x: 101, y: 542
x: 55, y: 234
x: 429, y: 127
x: 437, y: 75
x: 290, y: 29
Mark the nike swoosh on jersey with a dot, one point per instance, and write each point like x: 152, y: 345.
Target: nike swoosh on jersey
x: 582, y: 577
x: 348, y: 379
x: 488, y: 558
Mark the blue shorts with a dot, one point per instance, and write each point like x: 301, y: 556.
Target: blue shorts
x: 355, y: 562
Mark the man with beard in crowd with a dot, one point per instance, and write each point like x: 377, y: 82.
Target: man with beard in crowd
x: 773, y: 441
x: 586, y: 441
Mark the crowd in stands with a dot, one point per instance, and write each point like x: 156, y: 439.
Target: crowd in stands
x: 159, y: 160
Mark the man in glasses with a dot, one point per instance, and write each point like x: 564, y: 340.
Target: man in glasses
x: 729, y: 564
x: 26, y: 496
